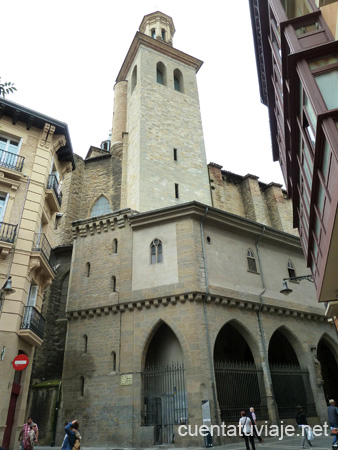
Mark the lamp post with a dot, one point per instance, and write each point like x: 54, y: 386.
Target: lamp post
x: 6, y: 290
x: 286, y: 290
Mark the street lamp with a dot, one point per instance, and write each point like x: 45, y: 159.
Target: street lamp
x: 7, y: 287
x: 286, y: 290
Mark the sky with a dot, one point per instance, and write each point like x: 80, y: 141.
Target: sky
x: 64, y: 57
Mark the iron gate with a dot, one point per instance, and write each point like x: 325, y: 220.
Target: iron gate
x: 239, y: 386
x: 292, y: 387
x: 165, y: 400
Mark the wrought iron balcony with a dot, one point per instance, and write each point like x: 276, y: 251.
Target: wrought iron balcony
x: 7, y: 232
x: 11, y: 161
x: 33, y: 321
x: 41, y: 244
x: 53, y: 183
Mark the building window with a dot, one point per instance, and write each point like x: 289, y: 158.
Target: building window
x: 178, y: 80
x: 3, y: 205
x: 291, y: 269
x: 175, y: 154
x: 85, y: 344
x: 82, y: 383
x: 163, y: 34
x: 296, y: 8
x: 9, y: 150
x: 113, y: 355
x: 134, y: 79
x: 156, y: 252
x: 153, y: 33
x: 161, y: 73
x: 176, y: 191
x: 88, y: 269
x: 115, y: 246
x: 327, y: 83
x: 113, y: 283
x: 250, y: 256
x: 100, y: 207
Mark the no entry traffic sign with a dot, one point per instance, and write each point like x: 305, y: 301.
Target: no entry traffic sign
x: 20, y: 362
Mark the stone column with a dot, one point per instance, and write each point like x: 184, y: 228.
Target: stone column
x: 120, y: 111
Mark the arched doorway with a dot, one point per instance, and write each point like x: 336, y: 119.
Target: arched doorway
x: 239, y: 381
x: 328, y: 368
x: 163, y: 378
x: 291, y: 384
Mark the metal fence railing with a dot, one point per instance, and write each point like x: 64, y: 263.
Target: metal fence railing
x: 7, y: 232
x: 42, y: 245
x: 11, y: 161
x: 53, y: 183
x: 33, y: 320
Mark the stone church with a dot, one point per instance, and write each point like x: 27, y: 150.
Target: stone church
x: 167, y: 295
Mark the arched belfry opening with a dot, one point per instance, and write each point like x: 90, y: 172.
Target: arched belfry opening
x: 326, y: 368
x: 239, y: 380
x: 291, y: 384
x: 163, y: 382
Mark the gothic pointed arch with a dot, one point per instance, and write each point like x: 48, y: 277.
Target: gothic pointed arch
x: 289, y: 374
x: 100, y: 206
x: 237, y: 363
x: 326, y: 366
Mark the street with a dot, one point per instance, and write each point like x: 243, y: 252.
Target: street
x: 288, y: 443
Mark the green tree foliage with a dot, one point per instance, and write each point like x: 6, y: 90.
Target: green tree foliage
x: 6, y: 88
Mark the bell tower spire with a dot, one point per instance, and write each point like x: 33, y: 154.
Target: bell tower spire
x: 157, y: 127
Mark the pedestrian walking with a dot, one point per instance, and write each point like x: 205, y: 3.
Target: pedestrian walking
x: 25, y: 431
x: 245, y: 426
x: 28, y: 443
x: 72, y: 439
x: 253, y: 417
x: 332, y: 413
x: 303, y: 425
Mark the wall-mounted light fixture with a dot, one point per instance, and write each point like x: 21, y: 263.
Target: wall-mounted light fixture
x: 286, y: 290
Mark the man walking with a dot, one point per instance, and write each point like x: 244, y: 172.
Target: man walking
x: 332, y: 412
x: 25, y: 431
x: 253, y: 418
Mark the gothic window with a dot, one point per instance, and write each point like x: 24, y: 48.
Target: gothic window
x: 115, y: 246
x: 161, y: 73
x: 178, y: 80
x: 156, y: 252
x: 250, y: 256
x: 291, y: 269
x: 84, y: 343
x: 88, y: 269
x: 113, y: 283
x: 100, y: 207
x: 134, y: 79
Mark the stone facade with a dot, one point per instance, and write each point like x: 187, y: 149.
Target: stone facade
x: 164, y: 287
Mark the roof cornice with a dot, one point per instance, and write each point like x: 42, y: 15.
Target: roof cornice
x: 159, y: 46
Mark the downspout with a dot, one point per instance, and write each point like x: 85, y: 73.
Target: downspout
x: 213, y: 384
x: 56, y: 413
x: 260, y: 324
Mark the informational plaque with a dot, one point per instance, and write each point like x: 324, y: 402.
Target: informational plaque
x: 127, y: 379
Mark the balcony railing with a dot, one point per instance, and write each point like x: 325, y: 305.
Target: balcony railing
x: 11, y: 161
x: 7, y: 232
x: 53, y: 183
x: 42, y: 245
x: 33, y: 320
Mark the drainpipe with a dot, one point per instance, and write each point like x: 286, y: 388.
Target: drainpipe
x: 56, y: 413
x: 213, y: 384
x: 260, y: 324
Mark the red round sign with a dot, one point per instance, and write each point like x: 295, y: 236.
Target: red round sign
x: 20, y: 362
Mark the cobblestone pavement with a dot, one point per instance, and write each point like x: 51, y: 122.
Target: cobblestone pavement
x: 287, y: 443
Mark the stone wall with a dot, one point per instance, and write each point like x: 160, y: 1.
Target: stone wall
x: 267, y: 204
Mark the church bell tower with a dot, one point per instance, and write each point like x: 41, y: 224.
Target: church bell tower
x: 157, y: 126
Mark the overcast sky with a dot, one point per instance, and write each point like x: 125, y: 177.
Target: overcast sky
x: 64, y: 57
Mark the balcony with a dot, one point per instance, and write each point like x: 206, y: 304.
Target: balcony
x: 32, y: 326
x: 44, y: 252
x: 53, y: 193
x: 7, y: 236
x: 11, y: 162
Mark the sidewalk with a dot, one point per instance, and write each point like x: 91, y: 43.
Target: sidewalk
x: 287, y: 443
